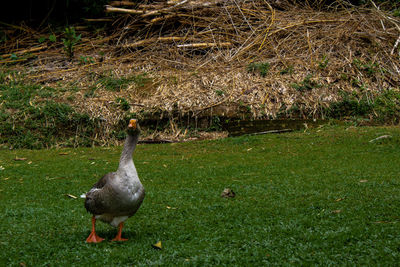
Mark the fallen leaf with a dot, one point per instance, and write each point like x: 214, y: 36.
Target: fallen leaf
x: 228, y: 193
x: 63, y: 153
x: 363, y: 181
x: 157, y: 245
x: 336, y: 211
x: 249, y: 149
x: 71, y: 196
x: 168, y: 207
x: 30, y: 162
x: 19, y: 159
x: 339, y: 199
x: 165, y: 166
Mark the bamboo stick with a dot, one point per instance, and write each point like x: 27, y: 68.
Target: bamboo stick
x: 29, y: 50
x: 122, y: 3
x: 153, y: 40
x: 110, y: 9
x: 99, y: 20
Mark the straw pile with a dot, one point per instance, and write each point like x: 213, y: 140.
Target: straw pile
x: 197, y: 53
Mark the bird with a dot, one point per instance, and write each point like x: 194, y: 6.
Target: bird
x: 117, y: 195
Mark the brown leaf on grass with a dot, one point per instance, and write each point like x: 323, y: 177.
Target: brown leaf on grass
x: 63, y: 153
x: 336, y: 211
x: 19, y: 159
x: 339, y: 199
x: 228, y: 193
x: 157, y: 245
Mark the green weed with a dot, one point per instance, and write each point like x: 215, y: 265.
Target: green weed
x: 123, y: 104
x: 52, y: 38
x: 70, y: 41
x: 370, y: 68
x: 112, y: 83
x: 29, y: 123
x: 306, y: 85
x: 260, y: 67
x: 288, y: 70
x: 350, y: 105
x: 86, y: 60
x: 219, y: 92
x: 323, y: 63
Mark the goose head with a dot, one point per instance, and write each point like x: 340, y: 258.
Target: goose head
x: 133, y: 127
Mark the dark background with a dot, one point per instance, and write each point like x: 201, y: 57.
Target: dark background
x: 56, y: 12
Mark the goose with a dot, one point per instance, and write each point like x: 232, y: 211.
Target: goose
x: 117, y: 195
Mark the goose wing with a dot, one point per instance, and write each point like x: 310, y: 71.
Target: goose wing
x: 98, y: 198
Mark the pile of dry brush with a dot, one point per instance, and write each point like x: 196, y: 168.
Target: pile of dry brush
x: 205, y: 57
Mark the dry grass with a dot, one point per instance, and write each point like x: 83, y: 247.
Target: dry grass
x: 196, y: 54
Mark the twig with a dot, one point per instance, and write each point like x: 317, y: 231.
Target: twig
x: 205, y: 45
x: 152, y: 40
x: 273, y: 131
x: 395, y: 45
x: 269, y: 26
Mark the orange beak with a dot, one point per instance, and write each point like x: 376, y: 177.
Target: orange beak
x: 132, y: 124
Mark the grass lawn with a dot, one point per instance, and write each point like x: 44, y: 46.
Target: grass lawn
x: 324, y: 197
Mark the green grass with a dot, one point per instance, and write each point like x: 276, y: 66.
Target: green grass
x: 325, y: 197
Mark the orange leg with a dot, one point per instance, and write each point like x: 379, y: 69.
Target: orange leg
x: 118, y: 236
x: 93, y: 237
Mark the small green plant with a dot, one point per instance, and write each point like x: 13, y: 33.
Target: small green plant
x: 52, y: 38
x: 351, y: 105
x: 261, y: 68
x: 116, y: 84
x: 13, y: 56
x: 123, y: 104
x: 370, y: 68
x: 42, y: 39
x: 323, y: 63
x: 91, y: 92
x: 86, y: 60
x: 287, y: 70
x: 70, y: 41
x: 219, y: 92
x: 387, y: 106
x: 306, y: 85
